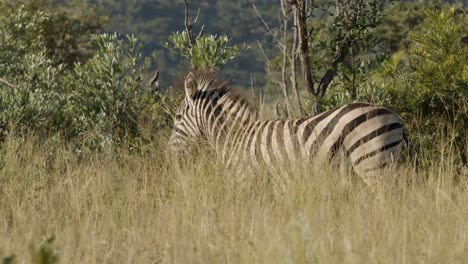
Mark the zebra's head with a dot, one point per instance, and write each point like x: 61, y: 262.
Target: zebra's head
x: 186, y: 129
x: 208, y: 109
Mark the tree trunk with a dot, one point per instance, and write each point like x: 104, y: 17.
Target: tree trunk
x: 284, y: 81
x: 303, y: 35
x: 293, y: 70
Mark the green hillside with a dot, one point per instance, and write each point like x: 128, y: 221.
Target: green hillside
x: 153, y: 21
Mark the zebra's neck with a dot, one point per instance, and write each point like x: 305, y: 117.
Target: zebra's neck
x: 226, y: 116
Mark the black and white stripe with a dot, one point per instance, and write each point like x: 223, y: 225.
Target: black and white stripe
x: 371, y: 136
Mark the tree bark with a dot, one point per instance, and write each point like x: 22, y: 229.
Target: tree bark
x: 293, y: 64
x: 284, y: 81
x: 303, y: 35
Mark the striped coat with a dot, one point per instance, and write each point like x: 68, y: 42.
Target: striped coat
x: 371, y: 136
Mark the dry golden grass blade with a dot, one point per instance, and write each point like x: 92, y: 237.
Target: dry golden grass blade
x: 138, y: 208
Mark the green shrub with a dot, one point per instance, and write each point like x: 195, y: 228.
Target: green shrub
x: 66, y: 26
x: 107, y: 93
x: 399, y: 20
x: 355, y: 83
x: 35, y: 99
x: 94, y: 104
x: 430, y: 80
x: 208, y: 52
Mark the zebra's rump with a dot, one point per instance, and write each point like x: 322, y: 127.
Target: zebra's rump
x: 371, y: 137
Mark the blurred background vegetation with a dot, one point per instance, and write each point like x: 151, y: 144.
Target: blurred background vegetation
x: 77, y: 71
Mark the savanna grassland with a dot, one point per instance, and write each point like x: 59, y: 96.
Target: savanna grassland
x: 85, y: 175
x: 138, y: 208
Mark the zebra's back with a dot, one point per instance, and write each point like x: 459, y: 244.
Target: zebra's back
x: 371, y: 137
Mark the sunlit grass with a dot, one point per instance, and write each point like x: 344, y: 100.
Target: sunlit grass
x: 138, y: 208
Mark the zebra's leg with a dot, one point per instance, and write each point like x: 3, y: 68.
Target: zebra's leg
x: 374, y: 169
x: 341, y: 161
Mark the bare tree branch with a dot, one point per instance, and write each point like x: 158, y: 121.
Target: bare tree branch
x: 188, y: 26
x: 263, y: 52
x: 201, y: 32
x: 261, y: 18
x: 196, y: 18
x: 281, y: 75
x: 277, y: 112
x: 269, y: 31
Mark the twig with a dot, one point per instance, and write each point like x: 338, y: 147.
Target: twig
x: 252, y: 94
x: 261, y: 18
x: 201, y: 32
x: 196, y: 18
x: 269, y: 31
x: 263, y: 52
x: 188, y: 26
x: 7, y: 83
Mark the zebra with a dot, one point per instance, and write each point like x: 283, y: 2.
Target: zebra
x: 371, y: 137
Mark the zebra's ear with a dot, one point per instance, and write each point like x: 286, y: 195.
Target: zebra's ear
x: 190, y: 85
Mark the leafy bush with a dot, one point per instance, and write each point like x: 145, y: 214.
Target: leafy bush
x: 355, y: 83
x: 427, y: 83
x: 399, y: 20
x: 35, y: 98
x: 106, y: 93
x: 98, y: 103
x: 66, y: 28
x: 208, y: 52
x: 430, y: 80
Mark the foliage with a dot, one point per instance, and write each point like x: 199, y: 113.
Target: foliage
x: 353, y: 22
x: 208, y: 52
x: 35, y: 99
x: 356, y: 78
x: 431, y: 78
x: 101, y: 102
x: 107, y: 91
x: 66, y: 29
x: 399, y: 20
x: 351, y: 36
x: 354, y: 82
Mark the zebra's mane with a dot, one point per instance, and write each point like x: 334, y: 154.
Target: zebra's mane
x: 210, y: 81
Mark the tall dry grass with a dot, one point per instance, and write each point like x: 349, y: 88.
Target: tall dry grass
x: 138, y: 208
